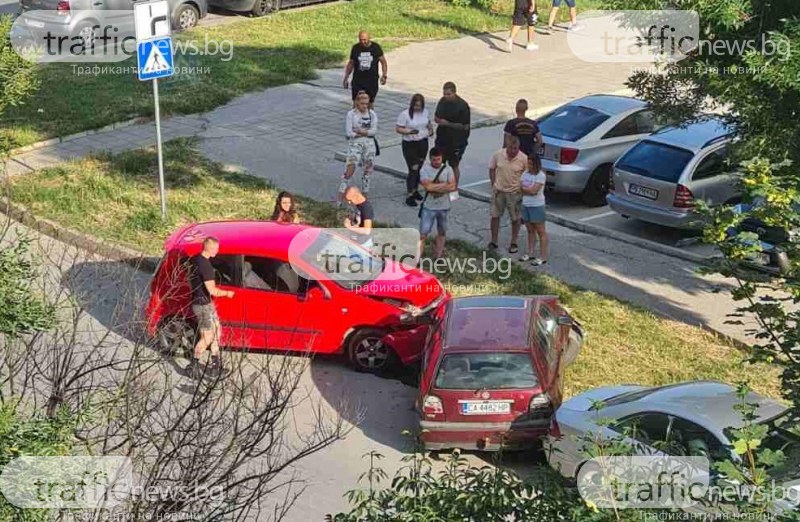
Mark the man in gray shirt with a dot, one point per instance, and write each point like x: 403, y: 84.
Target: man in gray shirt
x: 438, y: 182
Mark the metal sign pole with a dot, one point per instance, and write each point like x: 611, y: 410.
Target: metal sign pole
x: 161, y: 189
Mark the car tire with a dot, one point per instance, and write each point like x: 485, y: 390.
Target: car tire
x: 185, y: 17
x: 367, y: 352
x: 594, y: 195
x: 265, y: 7
x: 176, y: 337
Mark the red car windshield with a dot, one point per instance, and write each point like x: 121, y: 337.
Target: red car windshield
x: 491, y: 371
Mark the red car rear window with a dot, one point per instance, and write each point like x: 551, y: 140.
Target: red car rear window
x: 492, y: 371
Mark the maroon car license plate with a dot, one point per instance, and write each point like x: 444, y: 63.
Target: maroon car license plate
x: 485, y: 407
x: 643, y: 192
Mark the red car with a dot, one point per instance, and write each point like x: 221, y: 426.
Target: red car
x: 492, y: 371
x: 295, y: 306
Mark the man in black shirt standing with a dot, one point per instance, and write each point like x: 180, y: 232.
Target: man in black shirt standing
x: 524, y: 128
x: 453, y: 124
x: 360, y: 223
x: 363, y: 64
x: 203, y: 284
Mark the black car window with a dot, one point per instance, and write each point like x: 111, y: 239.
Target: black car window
x: 571, y: 122
x: 226, y: 271
x: 648, y: 428
x: 264, y: 273
x: 714, y: 164
x: 626, y: 127
x: 646, y: 122
x: 655, y: 160
x: 692, y: 440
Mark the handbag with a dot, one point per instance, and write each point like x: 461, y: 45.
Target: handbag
x: 425, y: 198
x: 374, y: 139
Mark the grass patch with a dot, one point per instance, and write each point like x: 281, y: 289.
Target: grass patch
x: 116, y: 198
x: 279, y: 49
x: 283, y: 48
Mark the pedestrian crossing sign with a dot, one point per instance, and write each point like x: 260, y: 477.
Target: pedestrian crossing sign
x: 155, y: 58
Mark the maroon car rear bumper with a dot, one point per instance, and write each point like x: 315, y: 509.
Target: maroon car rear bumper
x: 483, y: 436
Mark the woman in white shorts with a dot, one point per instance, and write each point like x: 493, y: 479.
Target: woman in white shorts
x: 361, y: 125
x: 533, y: 213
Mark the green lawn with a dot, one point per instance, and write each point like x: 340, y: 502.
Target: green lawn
x: 115, y: 197
x: 283, y: 48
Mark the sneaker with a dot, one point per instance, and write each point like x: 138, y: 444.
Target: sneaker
x: 547, y: 30
x: 575, y: 27
x: 411, y: 201
x: 491, y: 247
x: 538, y: 262
x: 525, y: 258
x: 418, y: 196
x: 510, y: 44
x: 531, y: 47
x: 513, y: 248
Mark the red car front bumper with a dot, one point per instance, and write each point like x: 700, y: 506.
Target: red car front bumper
x: 483, y: 436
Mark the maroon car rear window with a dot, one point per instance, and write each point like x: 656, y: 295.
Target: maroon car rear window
x: 491, y: 371
x: 488, y: 327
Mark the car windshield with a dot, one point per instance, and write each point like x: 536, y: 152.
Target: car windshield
x: 490, y: 371
x: 571, y: 123
x: 342, y: 261
x: 655, y: 160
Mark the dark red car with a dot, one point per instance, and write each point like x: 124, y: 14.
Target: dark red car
x: 492, y: 371
x: 293, y: 304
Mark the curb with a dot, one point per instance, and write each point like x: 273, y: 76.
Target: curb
x: 88, y: 242
x: 82, y: 134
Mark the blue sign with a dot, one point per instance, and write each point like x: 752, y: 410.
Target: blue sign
x: 155, y: 58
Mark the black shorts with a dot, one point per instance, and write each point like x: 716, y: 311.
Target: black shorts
x: 371, y: 90
x: 523, y: 17
x: 452, y: 154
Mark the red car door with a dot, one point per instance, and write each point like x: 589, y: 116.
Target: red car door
x: 550, y: 349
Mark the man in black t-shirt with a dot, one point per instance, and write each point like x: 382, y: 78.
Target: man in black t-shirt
x: 363, y: 64
x: 453, y: 124
x: 360, y: 223
x: 524, y: 128
x: 203, y: 286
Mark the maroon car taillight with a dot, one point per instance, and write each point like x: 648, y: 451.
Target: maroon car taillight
x: 683, y: 198
x: 568, y: 155
x: 539, y: 402
x: 432, y: 405
x: 63, y: 7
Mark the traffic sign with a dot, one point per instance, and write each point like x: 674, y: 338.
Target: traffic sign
x: 155, y: 58
x: 151, y: 20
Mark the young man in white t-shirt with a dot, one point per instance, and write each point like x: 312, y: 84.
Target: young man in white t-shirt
x: 533, y: 210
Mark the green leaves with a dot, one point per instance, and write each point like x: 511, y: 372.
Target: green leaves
x: 22, y: 309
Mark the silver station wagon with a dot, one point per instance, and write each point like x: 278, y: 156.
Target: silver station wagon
x: 660, y: 178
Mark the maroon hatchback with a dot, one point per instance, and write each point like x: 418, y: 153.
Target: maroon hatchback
x: 492, y: 372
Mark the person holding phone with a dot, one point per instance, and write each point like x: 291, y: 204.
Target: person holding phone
x: 415, y: 126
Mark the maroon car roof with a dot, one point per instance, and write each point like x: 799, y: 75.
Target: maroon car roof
x: 488, y: 322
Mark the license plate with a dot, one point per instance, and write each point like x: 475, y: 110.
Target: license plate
x: 644, y: 192
x: 485, y: 407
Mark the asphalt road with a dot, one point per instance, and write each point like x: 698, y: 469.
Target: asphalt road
x: 475, y: 178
